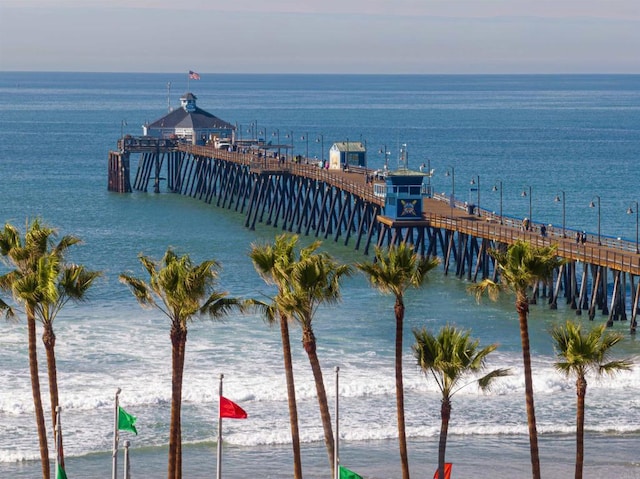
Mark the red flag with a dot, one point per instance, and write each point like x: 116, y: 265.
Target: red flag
x: 230, y: 409
x: 193, y: 75
x: 447, y: 471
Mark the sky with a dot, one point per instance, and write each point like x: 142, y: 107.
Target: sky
x: 321, y: 36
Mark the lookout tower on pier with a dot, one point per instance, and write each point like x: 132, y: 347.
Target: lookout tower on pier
x: 190, y: 124
x: 403, y: 191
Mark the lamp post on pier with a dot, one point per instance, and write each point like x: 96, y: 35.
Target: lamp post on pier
x: 495, y: 188
x: 629, y: 212
x: 564, y: 216
x: 476, y: 181
x: 290, y: 136
x: 320, y: 140
x: 277, y: 135
x: 452, y: 173
x: 592, y: 205
x: 524, y: 195
x: 383, y: 151
x: 123, y: 123
x: 306, y: 138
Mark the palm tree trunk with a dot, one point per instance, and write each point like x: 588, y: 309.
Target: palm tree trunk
x: 402, y: 435
x: 309, y: 343
x: 178, y: 339
x: 183, y: 350
x: 291, y: 397
x: 522, y: 307
x: 445, y: 415
x: 581, y: 388
x: 49, y: 340
x: 35, y: 389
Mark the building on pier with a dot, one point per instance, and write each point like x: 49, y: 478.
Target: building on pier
x: 191, y: 124
x: 344, y: 154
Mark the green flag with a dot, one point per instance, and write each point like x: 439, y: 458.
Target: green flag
x: 60, y: 474
x: 347, y: 474
x: 126, y: 422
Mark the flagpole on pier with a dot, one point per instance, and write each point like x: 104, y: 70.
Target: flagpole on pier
x: 114, y: 466
x: 219, y: 464
x: 336, y: 459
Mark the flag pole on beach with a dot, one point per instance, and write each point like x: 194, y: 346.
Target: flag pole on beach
x: 127, y: 474
x: 114, y: 458
x: 60, y: 474
x: 219, y: 463
x: 229, y: 409
x: 336, y: 458
x: 340, y: 472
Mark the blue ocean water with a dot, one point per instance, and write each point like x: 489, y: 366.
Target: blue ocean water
x: 564, y: 133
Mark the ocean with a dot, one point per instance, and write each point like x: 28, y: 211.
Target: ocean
x: 544, y: 134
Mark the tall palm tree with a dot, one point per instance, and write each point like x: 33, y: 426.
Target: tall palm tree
x: 393, y: 271
x: 182, y: 291
x: 314, y: 280
x: 451, y: 357
x: 71, y: 284
x: 520, y: 267
x: 274, y: 262
x: 35, y: 261
x: 579, y: 354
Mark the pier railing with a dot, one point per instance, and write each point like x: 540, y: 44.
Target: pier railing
x: 261, y: 163
x: 614, y: 253
x: 509, y: 232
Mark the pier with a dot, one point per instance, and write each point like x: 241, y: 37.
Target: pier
x: 348, y: 205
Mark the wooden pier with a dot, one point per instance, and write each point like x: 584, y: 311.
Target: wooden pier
x: 304, y: 198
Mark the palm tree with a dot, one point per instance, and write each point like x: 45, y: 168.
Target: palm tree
x: 314, y: 280
x: 71, y: 283
x: 393, y: 271
x: 274, y: 263
x: 579, y: 354
x: 35, y: 261
x: 450, y: 357
x: 182, y: 291
x: 520, y: 267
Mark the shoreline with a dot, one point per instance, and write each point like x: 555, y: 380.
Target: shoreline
x: 504, y: 456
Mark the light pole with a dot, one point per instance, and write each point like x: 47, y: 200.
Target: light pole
x: 592, y: 205
x: 452, y: 173
x: 564, y: 210
x: 290, y: 136
x: 253, y: 128
x: 629, y: 212
x: 306, y: 137
x: 346, y: 158
x: 383, y: 151
x: 495, y: 188
x: 524, y: 194
x: 320, y: 140
x: 277, y: 135
x: 123, y: 123
x: 476, y: 181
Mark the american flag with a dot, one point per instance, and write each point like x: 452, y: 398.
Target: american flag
x: 193, y: 75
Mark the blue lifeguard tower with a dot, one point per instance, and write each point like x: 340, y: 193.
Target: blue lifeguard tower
x: 403, y: 191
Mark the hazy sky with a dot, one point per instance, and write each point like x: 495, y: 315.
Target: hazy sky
x: 321, y: 36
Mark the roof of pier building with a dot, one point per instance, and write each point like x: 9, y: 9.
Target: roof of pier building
x: 189, y: 115
x: 350, y: 146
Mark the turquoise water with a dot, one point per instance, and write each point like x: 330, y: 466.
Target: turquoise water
x: 578, y: 134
